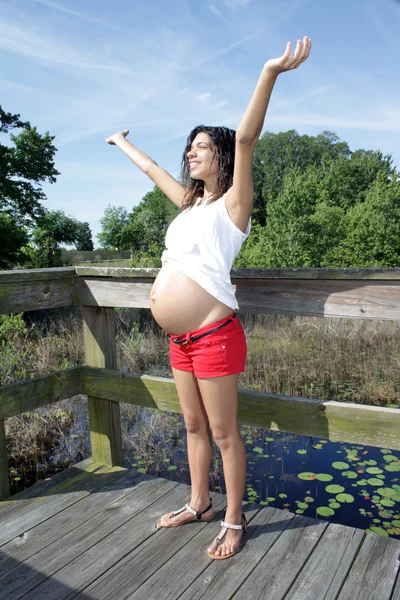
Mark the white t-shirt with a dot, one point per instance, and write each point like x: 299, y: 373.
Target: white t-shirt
x: 204, y: 242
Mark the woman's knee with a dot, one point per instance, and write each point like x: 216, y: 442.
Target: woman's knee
x: 196, y: 426
x: 226, y: 438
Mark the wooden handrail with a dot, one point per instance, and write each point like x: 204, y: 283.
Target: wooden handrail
x: 352, y: 293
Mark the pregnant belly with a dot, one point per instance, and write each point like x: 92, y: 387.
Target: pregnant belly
x: 179, y: 304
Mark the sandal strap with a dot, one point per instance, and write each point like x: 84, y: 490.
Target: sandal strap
x: 187, y: 507
x: 225, y: 526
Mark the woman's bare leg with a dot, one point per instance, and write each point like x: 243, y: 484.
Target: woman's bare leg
x: 198, y: 442
x: 220, y: 398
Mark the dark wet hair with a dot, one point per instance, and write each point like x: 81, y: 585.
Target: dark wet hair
x: 224, y: 141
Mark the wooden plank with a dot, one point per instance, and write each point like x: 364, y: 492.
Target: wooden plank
x: 67, y: 494
x: 388, y: 274
x: 213, y: 579
x: 86, y: 553
x: 333, y: 557
x: 396, y: 588
x: 373, y: 299
x: 39, y: 490
x: 104, y: 416
x: 25, y: 295
x: 276, y: 572
x: 30, y: 394
x: 69, y: 549
x: 373, y: 573
x: 138, y: 566
x: 320, y: 298
x: 123, y: 292
x: 336, y: 421
x: 33, y: 541
x: 4, y: 483
x: 18, y: 275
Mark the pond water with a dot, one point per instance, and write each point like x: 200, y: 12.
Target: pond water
x: 354, y: 485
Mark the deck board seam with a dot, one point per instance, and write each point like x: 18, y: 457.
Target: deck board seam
x: 351, y: 566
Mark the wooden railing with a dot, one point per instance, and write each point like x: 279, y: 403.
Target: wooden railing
x: 355, y: 293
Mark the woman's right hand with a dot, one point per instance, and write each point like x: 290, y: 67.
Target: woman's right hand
x: 112, y: 139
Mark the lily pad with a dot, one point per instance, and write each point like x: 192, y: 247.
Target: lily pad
x: 308, y: 499
x: 374, y: 470
x: 387, y: 502
x: 333, y: 504
x: 301, y: 451
x: 374, y: 481
x: 258, y: 450
x: 390, y: 458
x: 306, y: 476
x: 350, y: 474
x: 393, y: 466
x: 340, y: 465
x: 325, y: 511
x: 334, y: 489
x: 302, y: 505
x: 377, y: 530
x: 386, y: 492
x: 345, y: 498
x: 324, y: 477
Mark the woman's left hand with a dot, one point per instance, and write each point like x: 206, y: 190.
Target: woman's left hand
x: 288, y: 62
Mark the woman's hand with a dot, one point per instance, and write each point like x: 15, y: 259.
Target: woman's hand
x: 288, y: 62
x: 112, y: 139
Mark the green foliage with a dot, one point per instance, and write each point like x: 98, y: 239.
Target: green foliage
x: 13, y: 237
x: 23, y: 167
x: 148, y: 224
x: 25, y: 163
x: 15, y: 354
x: 326, y: 208
x: 113, y: 222
x: 10, y: 326
x: 54, y: 228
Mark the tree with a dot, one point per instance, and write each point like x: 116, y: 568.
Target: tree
x: 24, y: 165
x: 83, y: 239
x: 148, y: 223
x: 113, y: 222
x: 277, y: 153
x: 55, y: 228
x: 342, y: 212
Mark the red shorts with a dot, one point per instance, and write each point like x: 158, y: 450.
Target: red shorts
x: 220, y: 353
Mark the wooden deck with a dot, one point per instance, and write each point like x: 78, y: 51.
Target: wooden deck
x: 89, y: 532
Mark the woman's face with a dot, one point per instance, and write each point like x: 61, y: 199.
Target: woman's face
x: 202, y: 157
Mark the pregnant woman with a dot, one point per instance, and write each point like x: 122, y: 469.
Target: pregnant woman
x: 192, y: 298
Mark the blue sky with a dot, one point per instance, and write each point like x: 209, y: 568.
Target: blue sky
x: 83, y: 70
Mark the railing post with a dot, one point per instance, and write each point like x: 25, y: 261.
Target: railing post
x: 4, y: 485
x: 104, y: 415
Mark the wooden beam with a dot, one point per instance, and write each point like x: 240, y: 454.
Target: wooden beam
x: 4, y: 482
x: 104, y: 416
x: 29, y: 394
x: 362, y: 299
x: 336, y: 421
x: 37, y: 292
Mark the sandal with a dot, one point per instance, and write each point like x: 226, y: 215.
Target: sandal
x: 219, y: 540
x: 196, y: 514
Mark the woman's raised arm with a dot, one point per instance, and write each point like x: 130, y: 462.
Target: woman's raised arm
x: 248, y: 132
x: 174, y: 190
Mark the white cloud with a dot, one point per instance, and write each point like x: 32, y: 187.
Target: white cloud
x: 25, y: 42
x: 232, y: 4
x: 216, y: 12
x: 203, y: 97
x: 80, y: 15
